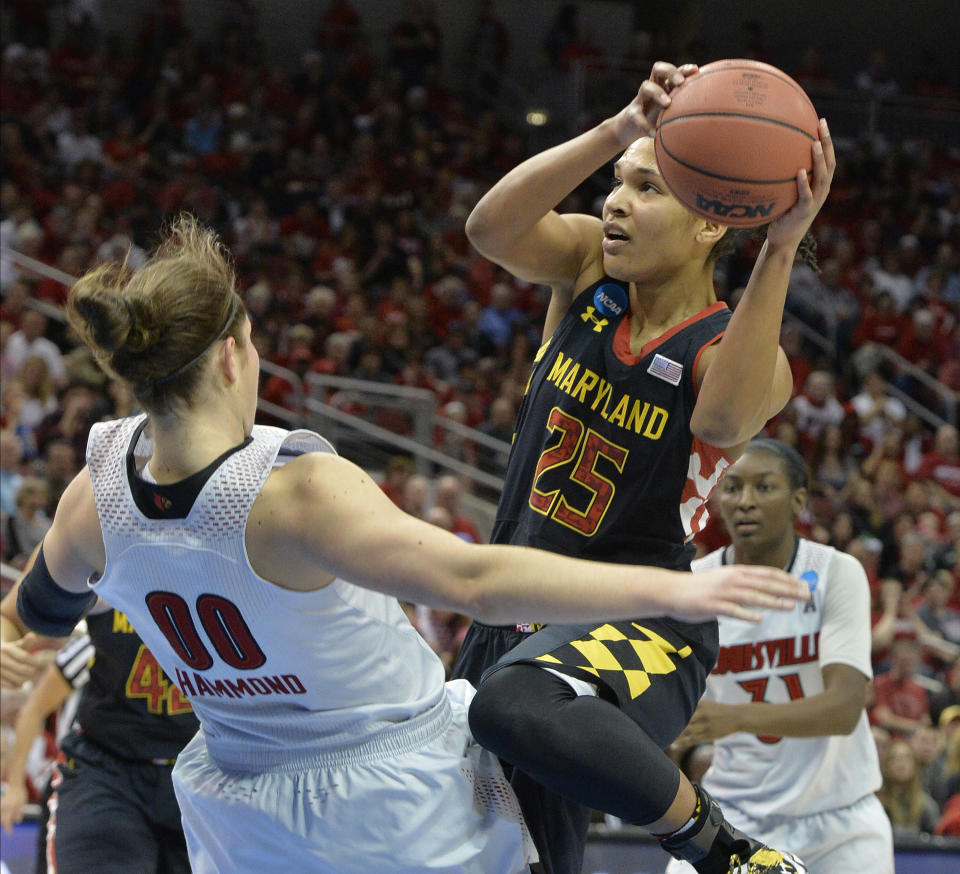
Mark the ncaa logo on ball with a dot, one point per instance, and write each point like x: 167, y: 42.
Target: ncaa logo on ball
x: 734, y: 210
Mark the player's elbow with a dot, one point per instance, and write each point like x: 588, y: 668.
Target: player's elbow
x: 846, y: 720
x: 720, y: 428
x: 481, y: 230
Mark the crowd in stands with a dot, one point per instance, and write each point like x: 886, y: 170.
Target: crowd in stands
x: 342, y: 187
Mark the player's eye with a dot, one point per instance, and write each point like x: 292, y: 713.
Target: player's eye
x: 615, y: 183
x: 649, y: 186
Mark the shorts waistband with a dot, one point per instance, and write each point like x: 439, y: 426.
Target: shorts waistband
x: 130, y: 760
x: 404, y: 737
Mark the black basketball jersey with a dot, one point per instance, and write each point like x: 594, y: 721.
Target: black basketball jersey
x: 128, y: 705
x: 604, y: 464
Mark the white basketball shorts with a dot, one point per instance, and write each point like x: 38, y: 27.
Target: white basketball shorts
x: 442, y: 806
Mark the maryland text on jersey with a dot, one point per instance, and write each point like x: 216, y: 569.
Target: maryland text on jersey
x: 591, y: 390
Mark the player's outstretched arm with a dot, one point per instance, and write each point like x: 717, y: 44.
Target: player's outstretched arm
x: 49, y: 693
x: 335, y: 514
x: 515, y: 224
x: 52, y: 595
x: 745, y: 378
x: 23, y: 654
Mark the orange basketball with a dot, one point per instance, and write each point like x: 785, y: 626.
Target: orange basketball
x: 731, y: 141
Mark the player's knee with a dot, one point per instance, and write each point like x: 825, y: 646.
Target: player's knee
x: 498, y: 720
x: 518, y: 712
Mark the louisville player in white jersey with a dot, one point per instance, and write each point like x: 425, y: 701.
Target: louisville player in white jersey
x: 794, y: 762
x: 328, y: 739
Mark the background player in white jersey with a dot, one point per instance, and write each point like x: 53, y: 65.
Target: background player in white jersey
x: 328, y: 739
x: 794, y: 762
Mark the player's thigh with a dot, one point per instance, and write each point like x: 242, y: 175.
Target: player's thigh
x: 158, y: 801
x: 172, y: 852
x: 95, y: 823
x: 655, y: 670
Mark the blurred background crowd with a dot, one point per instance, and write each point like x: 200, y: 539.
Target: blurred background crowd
x: 341, y: 182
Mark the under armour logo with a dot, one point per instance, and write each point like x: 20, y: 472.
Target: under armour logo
x: 598, y: 324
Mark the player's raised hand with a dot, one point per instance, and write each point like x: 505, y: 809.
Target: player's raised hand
x: 812, y: 191
x: 740, y: 591
x: 639, y: 117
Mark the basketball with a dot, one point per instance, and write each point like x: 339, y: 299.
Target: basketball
x: 731, y: 141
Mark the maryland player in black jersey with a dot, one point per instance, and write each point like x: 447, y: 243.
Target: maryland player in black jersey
x: 111, y: 803
x: 645, y: 389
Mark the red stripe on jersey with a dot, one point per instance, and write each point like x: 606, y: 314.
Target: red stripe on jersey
x: 706, y: 467
x: 696, y: 361
x: 621, y: 339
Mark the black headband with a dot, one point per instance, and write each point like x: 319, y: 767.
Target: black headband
x: 163, y: 380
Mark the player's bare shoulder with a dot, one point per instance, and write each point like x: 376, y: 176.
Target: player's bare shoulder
x: 287, y: 519
x: 293, y: 491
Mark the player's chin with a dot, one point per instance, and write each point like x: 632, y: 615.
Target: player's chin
x: 617, y: 266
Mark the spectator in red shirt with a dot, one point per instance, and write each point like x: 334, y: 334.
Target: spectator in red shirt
x: 447, y: 494
x: 921, y: 343
x: 942, y: 464
x: 901, y: 704
x: 399, y: 470
x: 881, y: 322
x: 817, y: 406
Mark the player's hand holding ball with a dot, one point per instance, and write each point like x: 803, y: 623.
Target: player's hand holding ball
x: 788, y: 230
x: 639, y: 117
x: 740, y: 143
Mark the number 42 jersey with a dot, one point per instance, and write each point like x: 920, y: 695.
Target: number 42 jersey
x: 604, y: 464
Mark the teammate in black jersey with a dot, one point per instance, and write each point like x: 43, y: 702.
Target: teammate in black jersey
x: 112, y: 805
x: 645, y: 390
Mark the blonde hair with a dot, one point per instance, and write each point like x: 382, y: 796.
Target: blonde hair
x: 150, y: 327
x: 903, y: 802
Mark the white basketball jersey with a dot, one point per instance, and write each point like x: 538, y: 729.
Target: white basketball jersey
x: 780, y: 659
x: 274, y: 675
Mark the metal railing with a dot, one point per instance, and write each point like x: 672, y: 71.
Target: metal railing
x: 355, y: 436
x: 901, y: 364
x: 344, y: 428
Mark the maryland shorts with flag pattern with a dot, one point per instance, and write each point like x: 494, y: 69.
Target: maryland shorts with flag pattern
x: 654, y: 670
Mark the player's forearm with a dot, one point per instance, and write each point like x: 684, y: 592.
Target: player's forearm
x: 529, y: 191
x: 739, y: 392
x: 512, y: 584
x: 816, y: 716
x: 28, y: 724
x: 11, y: 629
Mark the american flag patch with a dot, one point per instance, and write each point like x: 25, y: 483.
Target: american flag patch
x: 666, y: 369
